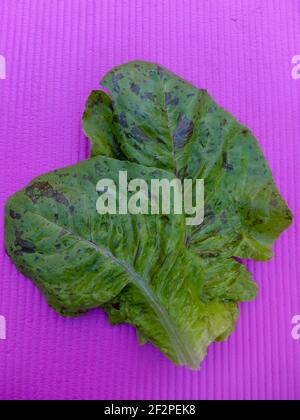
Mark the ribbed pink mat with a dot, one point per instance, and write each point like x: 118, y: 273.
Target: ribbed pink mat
x: 56, y: 52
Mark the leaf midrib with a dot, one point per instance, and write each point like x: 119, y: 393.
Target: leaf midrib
x: 171, y: 135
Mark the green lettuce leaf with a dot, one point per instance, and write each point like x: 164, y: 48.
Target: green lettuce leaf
x: 178, y: 285
x: 159, y: 120
x: 136, y: 267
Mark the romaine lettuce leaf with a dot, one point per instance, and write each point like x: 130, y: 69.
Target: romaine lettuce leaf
x: 178, y: 285
x: 137, y: 267
x: 160, y: 120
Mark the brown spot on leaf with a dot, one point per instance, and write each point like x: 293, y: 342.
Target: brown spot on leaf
x: 226, y: 165
x: 160, y: 71
x: 138, y: 134
x: 183, y: 132
x: 170, y: 100
x: 115, y: 80
x: 43, y: 189
x: 14, y: 215
x: 135, y: 88
x: 23, y: 247
x: 122, y: 120
x: 148, y: 95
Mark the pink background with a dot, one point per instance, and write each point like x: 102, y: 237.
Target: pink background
x: 56, y: 52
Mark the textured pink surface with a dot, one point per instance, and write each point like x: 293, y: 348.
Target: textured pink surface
x: 56, y: 52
